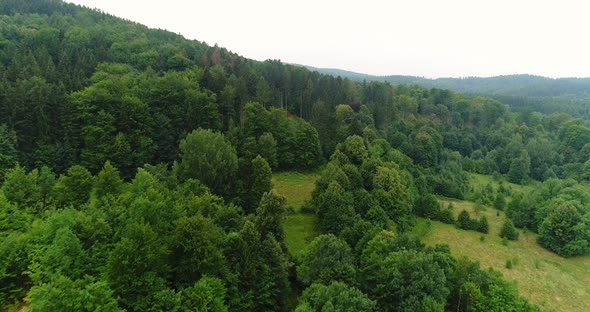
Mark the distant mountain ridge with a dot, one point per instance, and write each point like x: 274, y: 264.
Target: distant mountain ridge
x: 521, y: 91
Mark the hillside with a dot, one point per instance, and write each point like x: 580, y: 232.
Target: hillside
x: 521, y: 92
x: 141, y: 171
x: 552, y: 282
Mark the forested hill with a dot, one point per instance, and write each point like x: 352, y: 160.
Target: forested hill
x: 136, y: 166
x: 542, y: 94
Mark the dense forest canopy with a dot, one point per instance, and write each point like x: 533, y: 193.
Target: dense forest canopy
x: 136, y: 174
x: 520, y: 92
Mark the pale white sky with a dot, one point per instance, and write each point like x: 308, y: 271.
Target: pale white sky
x: 432, y: 38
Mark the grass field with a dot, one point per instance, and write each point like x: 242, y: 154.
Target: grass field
x: 548, y: 280
x: 300, y: 228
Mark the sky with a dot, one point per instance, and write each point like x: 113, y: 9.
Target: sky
x: 429, y: 38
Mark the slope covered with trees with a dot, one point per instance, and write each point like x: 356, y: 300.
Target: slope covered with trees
x: 136, y: 175
x: 520, y: 92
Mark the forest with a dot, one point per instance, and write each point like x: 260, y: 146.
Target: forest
x: 520, y: 92
x: 136, y: 168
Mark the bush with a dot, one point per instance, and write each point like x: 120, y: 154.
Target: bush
x: 508, y: 230
x: 446, y: 216
x: 483, y: 226
x: 509, y: 264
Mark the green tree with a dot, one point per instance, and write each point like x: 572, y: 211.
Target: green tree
x: 564, y: 232
x: 207, y: 156
x: 257, y: 183
x: 7, y: 151
x: 206, y: 295
x: 520, y: 168
x: 136, y: 266
x: 335, y: 208
x: 108, y: 181
x: 337, y: 296
x: 197, y: 250
x: 327, y: 258
x: 270, y: 216
x: 74, y: 188
x: 508, y: 230
x: 64, y: 294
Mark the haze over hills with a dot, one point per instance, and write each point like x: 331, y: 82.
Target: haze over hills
x: 520, y: 91
x: 142, y: 171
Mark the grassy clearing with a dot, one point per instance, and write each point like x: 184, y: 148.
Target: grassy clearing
x: 300, y: 228
x: 479, y: 181
x: 550, y: 281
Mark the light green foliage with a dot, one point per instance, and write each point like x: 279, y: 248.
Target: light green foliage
x: 74, y: 188
x: 64, y: 294
x: 136, y: 266
x: 354, y: 148
x: 208, y: 157
x: 18, y: 187
x: 337, y: 296
x: 108, y: 181
x: 205, y: 295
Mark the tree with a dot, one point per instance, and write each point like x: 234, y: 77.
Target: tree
x: 564, y: 232
x: 405, y: 280
x: 65, y: 294
x: 7, y: 151
x: 520, y: 168
x: 207, y: 156
x: 136, y: 266
x: 483, y: 226
x: 205, y: 295
x: 257, y: 183
x: 326, y: 259
x: 336, y: 296
x: 108, y: 181
x: 74, y: 188
x: 500, y: 201
x: 464, y: 220
x: 335, y: 208
x: 270, y: 216
x: 508, y: 230
x: 197, y: 250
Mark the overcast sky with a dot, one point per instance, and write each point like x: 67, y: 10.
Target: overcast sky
x: 431, y: 38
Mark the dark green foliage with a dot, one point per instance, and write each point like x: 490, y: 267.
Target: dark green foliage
x: 465, y: 222
x: 337, y: 296
x: 508, y: 230
x: 427, y: 206
x: 7, y: 151
x: 335, y: 208
x: 405, y: 281
x: 564, y: 232
x: 270, y: 216
x: 483, y: 225
x: 500, y: 201
x: 256, y: 180
x: 326, y: 259
x: 446, y: 216
x: 197, y: 250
